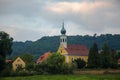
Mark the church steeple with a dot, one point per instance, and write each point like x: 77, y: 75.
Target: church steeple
x: 63, y: 31
x: 63, y: 37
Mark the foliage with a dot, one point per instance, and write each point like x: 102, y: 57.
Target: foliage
x: 5, y: 48
x: 29, y: 60
x: 93, y: 58
x: 117, y: 56
x: 106, y: 57
x: 80, y: 63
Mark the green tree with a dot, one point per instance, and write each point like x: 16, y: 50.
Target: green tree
x: 117, y: 55
x: 80, y: 63
x: 93, y: 58
x: 114, y: 63
x: 106, y: 57
x: 5, y: 48
x: 55, y: 63
x: 29, y: 60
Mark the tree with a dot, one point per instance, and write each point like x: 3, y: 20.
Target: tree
x: 106, y: 57
x: 5, y: 47
x: 117, y: 55
x: 55, y: 63
x: 80, y: 63
x: 93, y: 58
x: 29, y: 60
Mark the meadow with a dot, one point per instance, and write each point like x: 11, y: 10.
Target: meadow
x: 68, y: 77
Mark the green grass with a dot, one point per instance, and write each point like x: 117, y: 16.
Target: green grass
x: 67, y: 77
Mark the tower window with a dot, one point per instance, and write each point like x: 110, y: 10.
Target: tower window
x: 63, y: 40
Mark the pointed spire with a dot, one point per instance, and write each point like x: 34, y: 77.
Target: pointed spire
x: 63, y: 31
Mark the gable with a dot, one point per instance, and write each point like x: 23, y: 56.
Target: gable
x: 62, y: 50
x: 18, y: 61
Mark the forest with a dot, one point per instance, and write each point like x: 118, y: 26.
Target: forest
x: 51, y: 43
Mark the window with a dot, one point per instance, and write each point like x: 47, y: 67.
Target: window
x: 63, y: 40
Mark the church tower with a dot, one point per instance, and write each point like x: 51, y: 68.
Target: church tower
x: 63, y: 37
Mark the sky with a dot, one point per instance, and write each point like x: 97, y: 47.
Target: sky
x: 33, y: 19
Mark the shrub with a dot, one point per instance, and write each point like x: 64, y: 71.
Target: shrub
x: 114, y: 65
x: 5, y: 72
x: 80, y: 63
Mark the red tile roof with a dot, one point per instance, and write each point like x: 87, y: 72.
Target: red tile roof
x: 80, y: 50
x: 8, y: 61
x: 43, y: 57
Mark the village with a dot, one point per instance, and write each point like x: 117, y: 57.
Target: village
x: 72, y: 56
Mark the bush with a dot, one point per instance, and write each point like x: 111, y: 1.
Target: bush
x: 114, y: 65
x: 30, y: 67
x: 41, y: 68
x: 68, y: 68
x: 5, y: 72
x: 80, y: 63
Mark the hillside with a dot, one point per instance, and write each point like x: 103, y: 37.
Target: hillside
x: 51, y: 43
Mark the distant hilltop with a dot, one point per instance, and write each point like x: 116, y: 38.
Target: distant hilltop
x: 51, y: 43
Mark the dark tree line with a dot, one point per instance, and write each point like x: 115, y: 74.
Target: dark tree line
x: 101, y: 59
x: 44, y: 44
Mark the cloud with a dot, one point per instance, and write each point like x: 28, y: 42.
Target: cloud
x: 38, y: 18
x: 75, y: 7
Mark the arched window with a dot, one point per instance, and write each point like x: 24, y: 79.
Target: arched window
x: 63, y: 40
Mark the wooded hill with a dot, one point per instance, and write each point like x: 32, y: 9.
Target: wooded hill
x: 51, y: 43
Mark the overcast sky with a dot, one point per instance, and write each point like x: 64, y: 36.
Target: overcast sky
x: 33, y: 19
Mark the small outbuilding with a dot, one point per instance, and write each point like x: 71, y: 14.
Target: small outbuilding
x: 18, y: 63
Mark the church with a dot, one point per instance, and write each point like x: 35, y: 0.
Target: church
x: 71, y: 52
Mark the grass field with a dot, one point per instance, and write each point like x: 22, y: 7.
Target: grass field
x: 67, y: 77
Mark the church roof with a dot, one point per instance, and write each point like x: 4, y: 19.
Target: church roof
x: 79, y: 50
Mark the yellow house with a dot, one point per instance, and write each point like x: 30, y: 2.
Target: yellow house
x: 71, y: 52
x: 18, y: 63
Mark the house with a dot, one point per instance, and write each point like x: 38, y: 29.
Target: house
x: 43, y: 57
x: 71, y: 52
x: 18, y: 63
